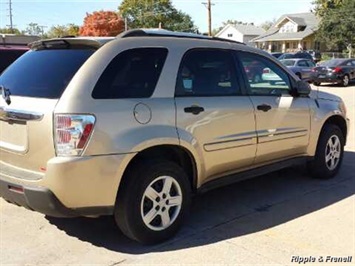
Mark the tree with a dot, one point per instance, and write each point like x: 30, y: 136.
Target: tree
x: 322, y: 6
x: 268, y: 24
x: 227, y: 22
x: 102, y: 23
x: 337, y: 24
x: 34, y: 29
x: 155, y: 13
x: 63, y: 30
x: 10, y: 31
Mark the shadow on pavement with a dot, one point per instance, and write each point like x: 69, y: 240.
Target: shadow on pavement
x: 236, y: 210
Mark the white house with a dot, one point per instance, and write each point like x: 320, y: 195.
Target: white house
x: 240, y: 33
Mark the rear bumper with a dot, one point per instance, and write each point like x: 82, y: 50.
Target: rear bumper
x: 44, y: 201
x: 70, y: 186
x: 328, y: 78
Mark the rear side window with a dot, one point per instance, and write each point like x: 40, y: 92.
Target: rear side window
x: 43, y: 73
x: 131, y: 74
x: 207, y: 72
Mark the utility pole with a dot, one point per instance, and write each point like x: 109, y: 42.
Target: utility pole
x: 10, y: 14
x: 208, y: 5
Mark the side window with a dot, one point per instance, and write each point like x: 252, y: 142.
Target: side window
x: 302, y: 63
x: 207, y: 72
x: 131, y: 74
x: 310, y: 64
x: 273, y: 79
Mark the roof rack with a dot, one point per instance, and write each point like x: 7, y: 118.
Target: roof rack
x: 168, y: 33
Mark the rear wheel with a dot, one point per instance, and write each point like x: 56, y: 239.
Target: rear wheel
x: 345, y: 81
x: 329, y: 153
x: 153, y: 202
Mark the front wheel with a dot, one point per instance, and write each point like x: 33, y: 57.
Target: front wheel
x: 329, y: 153
x: 153, y: 202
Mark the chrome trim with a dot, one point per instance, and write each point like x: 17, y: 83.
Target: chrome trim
x: 19, y: 115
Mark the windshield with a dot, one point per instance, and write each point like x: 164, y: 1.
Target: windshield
x: 43, y: 73
x: 288, y: 62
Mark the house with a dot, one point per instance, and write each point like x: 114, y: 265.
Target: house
x: 240, y: 32
x: 291, y: 33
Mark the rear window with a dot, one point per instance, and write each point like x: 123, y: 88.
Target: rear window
x: 288, y: 62
x: 43, y: 73
x: 332, y: 63
x: 131, y: 74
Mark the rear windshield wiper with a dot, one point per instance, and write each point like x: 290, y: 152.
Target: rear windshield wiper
x: 5, y: 94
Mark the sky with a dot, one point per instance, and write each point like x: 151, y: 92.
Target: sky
x: 50, y: 12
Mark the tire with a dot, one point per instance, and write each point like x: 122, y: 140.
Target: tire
x: 140, y: 216
x: 299, y: 75
x: 316, y: 83
x: 329, y: 153
x: 345, y: 81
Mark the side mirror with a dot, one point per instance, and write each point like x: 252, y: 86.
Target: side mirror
x: 302, y: 88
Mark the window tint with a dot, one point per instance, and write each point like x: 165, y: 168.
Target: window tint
x: 273, y: 81
x: 43, y: 73
x: 131, y: 74
x: 207, y: 73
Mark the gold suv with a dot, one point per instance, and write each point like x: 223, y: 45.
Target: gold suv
x: 133, y: 126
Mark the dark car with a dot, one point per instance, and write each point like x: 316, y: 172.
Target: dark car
x: 303, y: 55
x: 276, y: 54
x: 301, y: 67
x: 340, y: 71
x: 8, y: 54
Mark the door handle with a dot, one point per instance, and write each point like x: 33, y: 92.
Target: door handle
x: 195, y: 110
x: 264, y: 107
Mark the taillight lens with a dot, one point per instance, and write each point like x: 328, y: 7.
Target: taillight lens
x: 72, y: 133
x: 337, y: 70
x: 314, y: 69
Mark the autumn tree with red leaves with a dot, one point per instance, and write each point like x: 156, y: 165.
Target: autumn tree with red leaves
x: 102, y: 23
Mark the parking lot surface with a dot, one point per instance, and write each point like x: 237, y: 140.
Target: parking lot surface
x: 277, y: 219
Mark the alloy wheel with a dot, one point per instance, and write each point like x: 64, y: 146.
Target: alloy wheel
x: 332, y: 152
x: 161, y: 203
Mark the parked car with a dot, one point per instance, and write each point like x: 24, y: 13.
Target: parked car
x: 276, y: 54
x: 316, y: 55
x: 301, y: 67
x: 340, y: 71
x: 300, y: 54
x: 133, y: 126
x: 8, y: 54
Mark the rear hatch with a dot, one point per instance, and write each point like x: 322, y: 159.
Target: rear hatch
x: 31, y: 88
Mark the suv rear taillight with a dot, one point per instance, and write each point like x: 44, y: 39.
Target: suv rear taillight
x: 71, y: 133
